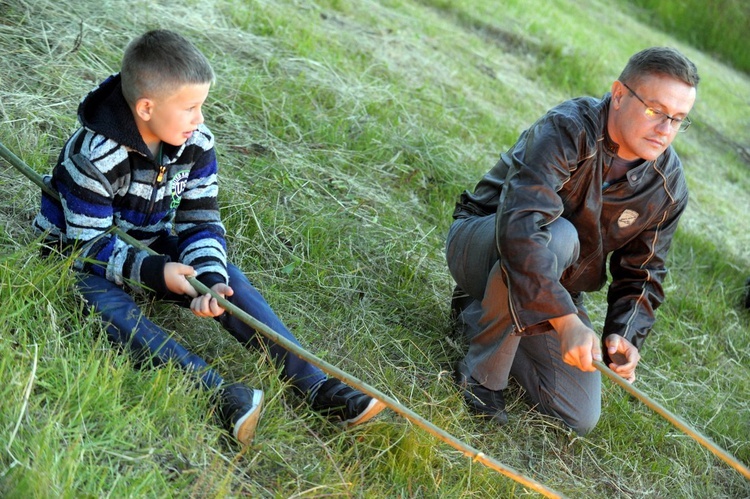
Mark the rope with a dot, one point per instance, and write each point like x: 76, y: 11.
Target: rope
x: 329, y: 369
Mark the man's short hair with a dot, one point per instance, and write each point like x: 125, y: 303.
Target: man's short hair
x: 159, y: 62
x: 664, y: 61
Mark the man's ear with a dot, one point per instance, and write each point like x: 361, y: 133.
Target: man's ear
x: 618, y: 91
x: 143, y: 108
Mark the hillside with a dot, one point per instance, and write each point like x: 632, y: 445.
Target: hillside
x: 345, y: 132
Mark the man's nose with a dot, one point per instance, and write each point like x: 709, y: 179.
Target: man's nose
x: 664, y: 127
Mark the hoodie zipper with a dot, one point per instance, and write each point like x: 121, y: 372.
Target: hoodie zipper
x: 155, y: 186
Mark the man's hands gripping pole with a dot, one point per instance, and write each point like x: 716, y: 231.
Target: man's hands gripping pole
x: 580, y: 348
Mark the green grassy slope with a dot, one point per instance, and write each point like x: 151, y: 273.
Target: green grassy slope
x: 346, y: 131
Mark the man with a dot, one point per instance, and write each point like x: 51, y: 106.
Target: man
x: 591, y: 178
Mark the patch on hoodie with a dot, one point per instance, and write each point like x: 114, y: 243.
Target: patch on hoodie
x: 627, y: 218
x: 177, y: 187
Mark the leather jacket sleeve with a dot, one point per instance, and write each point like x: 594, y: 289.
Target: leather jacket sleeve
x: 538, y: 166
x: 638, y: 270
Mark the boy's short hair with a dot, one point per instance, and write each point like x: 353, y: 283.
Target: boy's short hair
x: 161, y: 61
x: 664, y: 61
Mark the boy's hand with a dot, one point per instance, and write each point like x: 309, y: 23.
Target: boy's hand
x: 624, y: 355
x: 175, y: 277
x: 207, y: 305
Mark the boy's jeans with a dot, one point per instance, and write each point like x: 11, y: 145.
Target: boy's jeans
x: 556, y: 388
x: 126, y: 325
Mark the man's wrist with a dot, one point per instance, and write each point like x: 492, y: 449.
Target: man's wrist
x: 565, y: 322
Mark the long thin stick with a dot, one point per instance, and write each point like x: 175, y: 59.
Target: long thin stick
x: 675, y: 420
x: 329, y: 369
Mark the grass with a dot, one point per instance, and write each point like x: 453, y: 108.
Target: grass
x: 724, y: 34
x: 346, y: 131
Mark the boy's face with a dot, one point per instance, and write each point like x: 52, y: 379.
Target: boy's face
x: 171, y: 118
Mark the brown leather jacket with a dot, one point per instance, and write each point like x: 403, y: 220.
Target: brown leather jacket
x: 556, y: 170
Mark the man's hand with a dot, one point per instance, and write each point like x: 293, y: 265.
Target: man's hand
x: 579, y: 344
x: 624, y: 355
x: 207, y: 305
x: 175, y: 277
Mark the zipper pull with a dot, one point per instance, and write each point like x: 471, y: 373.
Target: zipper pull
x: 162, y: 171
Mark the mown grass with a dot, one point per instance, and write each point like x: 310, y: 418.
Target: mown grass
x: 345, y: 132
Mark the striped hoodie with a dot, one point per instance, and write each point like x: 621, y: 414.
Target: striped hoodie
x: 106, y: 176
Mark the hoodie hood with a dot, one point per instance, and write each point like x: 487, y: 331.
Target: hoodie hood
x: 105, y: 111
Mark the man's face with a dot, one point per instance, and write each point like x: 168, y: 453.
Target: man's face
x: 631, y: 128
x: 174, y: 117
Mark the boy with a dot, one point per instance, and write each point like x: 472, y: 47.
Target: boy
x: 143, y: 161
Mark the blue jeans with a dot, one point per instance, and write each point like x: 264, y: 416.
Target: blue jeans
x: 556, y: 388
x: 126, y: 325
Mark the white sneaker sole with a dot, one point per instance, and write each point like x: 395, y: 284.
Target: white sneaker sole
x: 244, y: 428
x: 372, y: 410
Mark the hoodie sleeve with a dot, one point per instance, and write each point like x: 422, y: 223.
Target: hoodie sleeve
x: 90, y: 170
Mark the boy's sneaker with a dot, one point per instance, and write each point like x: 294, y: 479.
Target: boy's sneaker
x: 239, y: 408
x: 481, y: 400
x: 350, y: 406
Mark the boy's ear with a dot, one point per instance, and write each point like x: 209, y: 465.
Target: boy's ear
x: 143, y: 108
